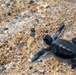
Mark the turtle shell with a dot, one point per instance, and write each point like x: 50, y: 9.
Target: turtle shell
x: 64, y: 49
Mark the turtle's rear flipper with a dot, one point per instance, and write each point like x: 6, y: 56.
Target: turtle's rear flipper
x: 73, y: 62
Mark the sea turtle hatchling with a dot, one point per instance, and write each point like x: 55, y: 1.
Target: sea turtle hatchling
x: 59, y: 47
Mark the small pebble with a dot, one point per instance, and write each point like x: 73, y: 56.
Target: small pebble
x: 5, y: 28
x: 9, y: 13
x: 35, y: 71
x: 41, y: 71
x: 46, y: 31
x: 40, y: 60
x: 37, y: 20
x: 32, y: 30
x: 47, y: 6
x: 29, y: 60
x: 19, y: 53
x: 8, y: 4
x: 31, y: 2
x: 10, y: 48
x: 30, y: 67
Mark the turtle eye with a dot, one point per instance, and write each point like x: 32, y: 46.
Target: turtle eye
x: 47, y: 39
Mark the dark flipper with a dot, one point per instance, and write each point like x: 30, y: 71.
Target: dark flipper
x: 40, y: 54
x: 74, y: 41
x: 48, y: 39
x: 73, y: 62
x: 59, y: 31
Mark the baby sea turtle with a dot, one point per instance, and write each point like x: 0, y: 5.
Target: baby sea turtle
x: 59, y: 47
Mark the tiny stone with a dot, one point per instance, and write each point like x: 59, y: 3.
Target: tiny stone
x: 31, y: 2
x: 47, y: 7
x: 9, y: 13
x: 46, y: 31
x: 40, y: 60
x: 19, y: 53
x: 16, y: 17
x: 35, y: 71
x: 30, y: 67
x: 37, y: 20
x: 29, y: 60
x: 57, y: 69
x: 10, y: 48
x: 41, y: 71
x: 5, y: 28
x: 32, y: 34
x: 8, y: 4
x: 28, y: 16
x: 32, y: 29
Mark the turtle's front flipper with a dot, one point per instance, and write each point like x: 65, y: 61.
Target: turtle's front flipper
x: 59, y: 31
x: 40, y: 54
x: 74, y: 41
x: 73, y: 64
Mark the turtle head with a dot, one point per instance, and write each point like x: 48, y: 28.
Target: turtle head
x: 47, y: 39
